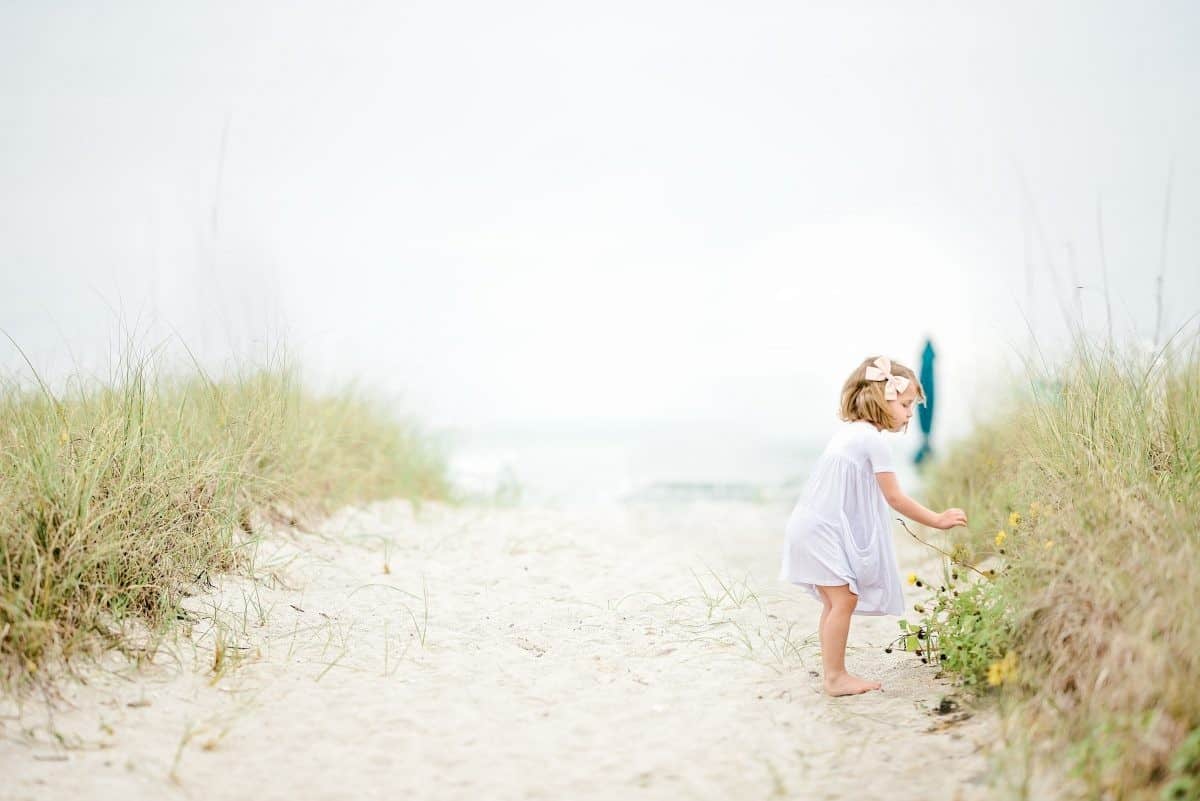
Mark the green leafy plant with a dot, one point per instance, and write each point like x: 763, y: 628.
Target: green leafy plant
x: 1089, y: 619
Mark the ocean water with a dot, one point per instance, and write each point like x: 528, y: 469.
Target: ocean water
x: 565, y: 464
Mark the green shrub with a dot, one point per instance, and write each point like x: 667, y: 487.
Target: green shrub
x: 1096, y: 583
x: 114, y: 496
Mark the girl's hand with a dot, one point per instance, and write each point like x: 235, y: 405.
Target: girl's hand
x: 951, y: 518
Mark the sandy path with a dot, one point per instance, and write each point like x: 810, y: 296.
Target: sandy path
x: 511, y: 653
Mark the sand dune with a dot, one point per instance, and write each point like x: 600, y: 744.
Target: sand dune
x: 623, y: 651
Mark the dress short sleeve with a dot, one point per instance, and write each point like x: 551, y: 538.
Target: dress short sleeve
x: 879, y: 454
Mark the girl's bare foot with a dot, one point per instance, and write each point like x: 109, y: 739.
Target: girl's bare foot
x: 846, y: 684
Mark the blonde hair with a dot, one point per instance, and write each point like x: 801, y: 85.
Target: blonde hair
x: 863, y: 399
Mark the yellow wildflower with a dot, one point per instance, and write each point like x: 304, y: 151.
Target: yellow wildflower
x: 912, y: 578
x: 1049, y: 544
x: 63, y: 437
x: 1014, y: 520
x: 1003, y: 671
x: 1000, y: 537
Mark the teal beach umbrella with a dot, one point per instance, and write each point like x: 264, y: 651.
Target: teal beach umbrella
x: 925, y: 411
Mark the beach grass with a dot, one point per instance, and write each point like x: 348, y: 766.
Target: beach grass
x: 1084, y: 498
x: 118, y: 495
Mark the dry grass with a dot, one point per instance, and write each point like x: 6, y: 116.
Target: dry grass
x: 1101, y: 459
x: 116, y: 495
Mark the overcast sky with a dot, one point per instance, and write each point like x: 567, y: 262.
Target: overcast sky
x: 532, y: 211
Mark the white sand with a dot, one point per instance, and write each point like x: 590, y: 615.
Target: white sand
x: 509, y: 653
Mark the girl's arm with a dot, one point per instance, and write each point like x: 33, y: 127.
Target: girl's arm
x: 913, y: 510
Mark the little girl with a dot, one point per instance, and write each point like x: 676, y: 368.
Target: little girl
x: 839, y: 537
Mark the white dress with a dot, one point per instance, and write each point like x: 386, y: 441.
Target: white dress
x: 840, y: 531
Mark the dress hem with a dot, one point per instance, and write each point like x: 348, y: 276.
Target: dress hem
x: 809, y: 585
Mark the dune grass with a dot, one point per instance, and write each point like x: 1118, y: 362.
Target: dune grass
x: 117, y: 494
x: 1090, y: 628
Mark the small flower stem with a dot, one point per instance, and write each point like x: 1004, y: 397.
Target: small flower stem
x: 939, y: 550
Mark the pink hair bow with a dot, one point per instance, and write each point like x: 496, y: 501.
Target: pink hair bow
x: 881, y: 370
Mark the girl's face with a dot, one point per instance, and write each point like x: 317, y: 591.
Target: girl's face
x: 901, y: 407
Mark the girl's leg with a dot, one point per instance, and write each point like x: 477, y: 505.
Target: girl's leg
x: 835, y: 629
x: 825, y: 607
